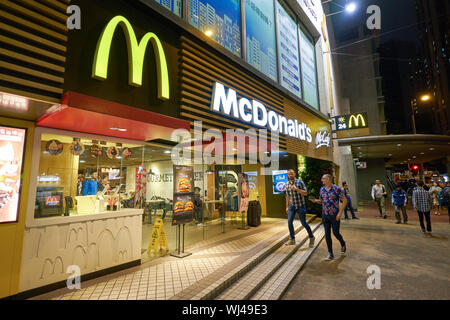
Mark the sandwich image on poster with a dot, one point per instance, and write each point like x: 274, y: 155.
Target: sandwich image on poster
x: 183, y: 209
x: 183, y: 196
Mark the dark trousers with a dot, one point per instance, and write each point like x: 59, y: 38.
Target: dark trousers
x: 397, y: 213
x: 302, y: 215
x: 349, y: 207
x: 329, y: 222
x: 427, y: 218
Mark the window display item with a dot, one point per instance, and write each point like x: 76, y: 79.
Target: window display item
x: 54, y: 147
x: 126, y: 153
x: 96, y: 151
x: 112, y: 152
x: 76, y: 148
x: 184, y: 185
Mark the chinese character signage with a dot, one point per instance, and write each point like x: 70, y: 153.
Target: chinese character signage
x: 288, y: 52
x: 12, y: 143
x: 308, y: 65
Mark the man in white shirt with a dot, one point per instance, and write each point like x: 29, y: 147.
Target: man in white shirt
x: 378, y: 195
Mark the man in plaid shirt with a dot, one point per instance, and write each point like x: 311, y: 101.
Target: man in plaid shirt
x: 295, y: 203
x: 422, y: 202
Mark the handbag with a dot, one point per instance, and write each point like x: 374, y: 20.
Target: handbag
x: 384, y: 190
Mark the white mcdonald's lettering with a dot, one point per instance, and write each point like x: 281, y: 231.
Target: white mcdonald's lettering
x: 356, y: 120
x: 254, y: 112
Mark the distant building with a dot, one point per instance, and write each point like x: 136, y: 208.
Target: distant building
x: 434, y: 35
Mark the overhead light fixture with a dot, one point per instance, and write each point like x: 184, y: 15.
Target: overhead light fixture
x: 350, y: 7
x: 167, y: 151
x: 399, y: 145
x: 209, y: 33
x: 118, y: 129
x: 425, y: 97
x: 422, y: 153
x: 431, y: 149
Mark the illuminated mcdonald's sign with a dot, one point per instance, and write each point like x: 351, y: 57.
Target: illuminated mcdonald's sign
x: 136, y: 54
x: 356, y: 121
x: 350, y: 121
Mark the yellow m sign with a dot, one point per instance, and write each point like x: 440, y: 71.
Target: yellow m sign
x: 355, y: 120
x: 136, y: 54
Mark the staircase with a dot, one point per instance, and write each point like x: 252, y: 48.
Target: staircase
x: 264, y: 272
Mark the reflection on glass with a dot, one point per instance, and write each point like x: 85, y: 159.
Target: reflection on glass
x: 260, y: 36
x: 219, y: 20
x: 173, y: 5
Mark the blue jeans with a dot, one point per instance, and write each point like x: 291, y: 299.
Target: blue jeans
x: 330, y: 222
x: 302, y: 215
x: 349, y: 207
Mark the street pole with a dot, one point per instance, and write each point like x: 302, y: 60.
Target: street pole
x: 413, y: 118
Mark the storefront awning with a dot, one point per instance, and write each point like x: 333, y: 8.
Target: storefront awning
x: 81, y: 113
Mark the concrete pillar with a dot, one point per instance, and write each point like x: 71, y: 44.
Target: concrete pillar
x: 348, y: 173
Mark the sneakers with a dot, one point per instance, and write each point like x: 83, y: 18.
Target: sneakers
x: 290, y: 242
x: 355, y: 218
x: 406, y: 222
x: 343, y: 250
x: 397, y: 222
x: 329, y: 257
x: 311, y: 242
x: 423, y: 230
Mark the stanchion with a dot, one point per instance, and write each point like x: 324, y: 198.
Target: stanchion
x: 244, y: 222
x: 179, y: 253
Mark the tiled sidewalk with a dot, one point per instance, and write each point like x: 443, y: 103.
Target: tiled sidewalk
x: 165, y: 277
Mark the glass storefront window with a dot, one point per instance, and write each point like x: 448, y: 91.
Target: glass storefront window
x: 218, y: 19
x: 80, y: 176
x: 176, y: 6
x: 260, y: 36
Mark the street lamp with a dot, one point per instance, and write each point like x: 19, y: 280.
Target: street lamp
x: 349, y: 7
x: 423, y: 98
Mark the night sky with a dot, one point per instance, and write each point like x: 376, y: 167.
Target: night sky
x: 395, y: 14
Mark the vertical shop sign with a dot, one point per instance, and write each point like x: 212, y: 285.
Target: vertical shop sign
x: 288, y: 51
x: 12, y: 144
x: 183, y: 195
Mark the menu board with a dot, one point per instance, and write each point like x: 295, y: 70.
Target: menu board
x: 308, y: 63
x: 12, y: 144
x: 260, y: 36
x: 279, y: 178
x: 183, y: 195
x: 288, y: 51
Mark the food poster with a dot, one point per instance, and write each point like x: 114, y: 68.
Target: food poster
x: 12, y: 143
x: 244, y: 192
x: 279, y: 178
x: 141, y: 187
x: 183, y: 196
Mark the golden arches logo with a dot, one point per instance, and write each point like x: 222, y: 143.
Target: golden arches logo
x: 136, y: 54
x: 356, y: 120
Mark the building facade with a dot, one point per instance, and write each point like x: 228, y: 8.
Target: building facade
x: 93, y: 136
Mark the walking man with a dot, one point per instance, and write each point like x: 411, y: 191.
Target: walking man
x: 295, y: 203
x: 378, y: 195
x: 422, y: 202
x: 330, y: 195
x: 399, y: 200
x: 349, y: 202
